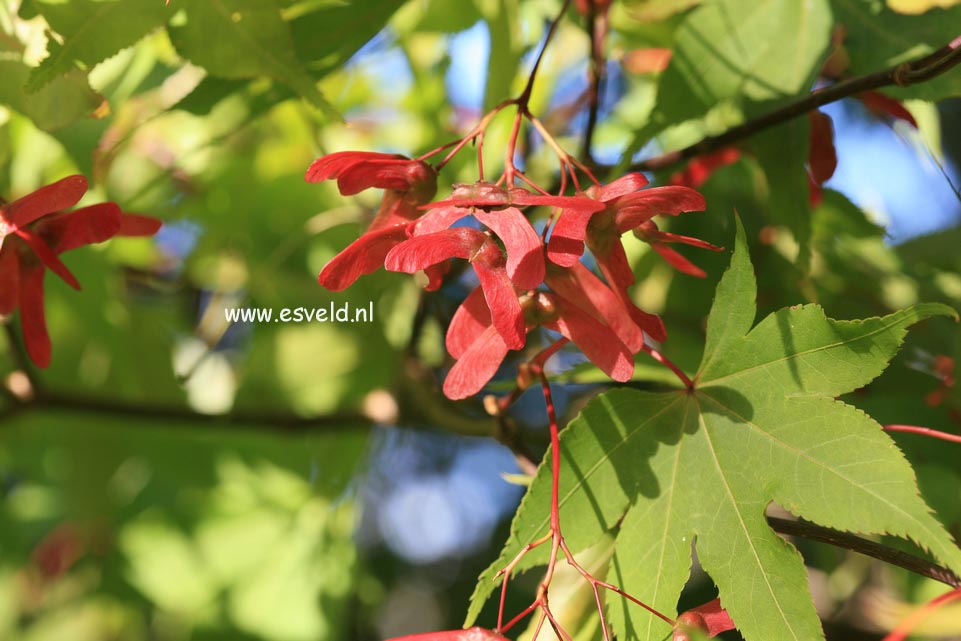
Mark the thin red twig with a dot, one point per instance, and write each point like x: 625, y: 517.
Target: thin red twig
x: 904, y: 628
x: 925, y: 431
x: 555, y: 535
x: 663, y: 360
x: 613, y: 588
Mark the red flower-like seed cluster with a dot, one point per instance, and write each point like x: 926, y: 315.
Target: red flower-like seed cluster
x: 34, y: 231
x: 524, y: 283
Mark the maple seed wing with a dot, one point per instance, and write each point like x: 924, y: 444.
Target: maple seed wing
x: 525, y: 254
x: 634, y: 209
x: 33, y: 320
x: 9, y: 281
x: 624, y: 185
x: 471, y: 318
x: 331, y: 165
x: 46, y: 200
x: 502, y: 300
x: 677, y: 261
x: 85, y: 226
x: 595, y: 339
x: 138, y: 225
x: 363, y: 256
x: 566, y: 245
x: 476, y: 366
x: 419, y: 252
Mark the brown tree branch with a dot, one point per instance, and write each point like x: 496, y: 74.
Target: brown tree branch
x: 419, y: 405
x: 23, y: 392
x: 174, y: 416
x: 909, y: 562
x: 597, y: 25
x: 902, y: 75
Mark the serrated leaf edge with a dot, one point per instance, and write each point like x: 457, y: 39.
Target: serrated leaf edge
x: 42, y: 74
x: 943, y: 310
x: 794, y: 509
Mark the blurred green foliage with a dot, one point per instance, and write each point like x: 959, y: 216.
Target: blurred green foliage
x: 127, y: 531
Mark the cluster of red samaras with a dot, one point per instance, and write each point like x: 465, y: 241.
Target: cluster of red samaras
x: 524, y: 282
x: 34, y: 231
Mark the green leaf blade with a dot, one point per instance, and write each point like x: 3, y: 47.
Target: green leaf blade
x: 797, y: 350
x: 92, y: 32
x: 759, y: 576
x: 702, y: 466
x: 252, y: 40
x: 802, y: 350
x: 326, y: 37
x: 57, y: 104
x: 875, y: 491
x: 760, y: 51
x: 878, y: 38
x: 653, y: 550
x: 734, y: 308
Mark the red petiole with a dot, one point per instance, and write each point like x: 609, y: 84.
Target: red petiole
x: 925, y: 431
x: 535, y: 368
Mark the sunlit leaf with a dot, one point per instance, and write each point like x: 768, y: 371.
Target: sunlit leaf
x: 653, y: 10
x: 877, y: 37
x: 252, y: 40
x: 92, y: 31
x: 326, y: 37
x: 919, y: 6
x: 58, y: 104
x: 502, y: 24
x: 757, y: 50
x: 700, y: 467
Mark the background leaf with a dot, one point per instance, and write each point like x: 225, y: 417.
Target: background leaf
x: 782, y: 154
x: 327, y: 36
x: 877, y: 38
x: 741, y: 49
x: 58, y: 104
x: 252, y: 39
x: 92, y: 31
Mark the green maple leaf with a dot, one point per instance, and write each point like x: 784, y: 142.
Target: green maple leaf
x: 244, y: 39
x: 92, y: 31
x: 700, y: 467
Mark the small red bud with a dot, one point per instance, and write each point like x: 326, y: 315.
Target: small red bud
x: 709, y: 618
